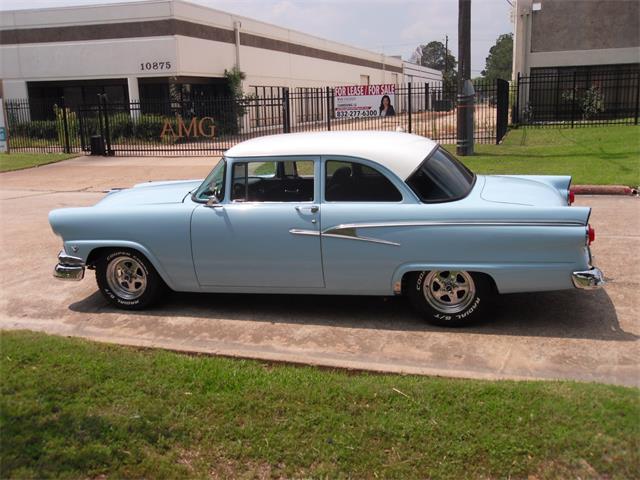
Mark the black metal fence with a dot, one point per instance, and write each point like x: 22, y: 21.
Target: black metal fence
x: 41, y: 126
x: 203, y: 126
x: 200, y: 126
x: 577, y: 98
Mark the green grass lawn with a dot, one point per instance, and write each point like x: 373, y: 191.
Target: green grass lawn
x: 75, y: 409
x: 605, y: 155
x: 18, y: 161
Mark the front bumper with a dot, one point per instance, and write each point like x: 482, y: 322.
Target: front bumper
x: 69, y: 268
x: 588, y: 279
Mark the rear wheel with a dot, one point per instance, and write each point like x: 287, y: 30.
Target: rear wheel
x: 128, y: 280
x: 450, y: 298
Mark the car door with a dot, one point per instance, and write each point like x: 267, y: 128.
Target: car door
x: 359, y: 252
x: 265, y: 232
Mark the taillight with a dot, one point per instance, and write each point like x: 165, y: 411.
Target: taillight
x: 591, y: 235
x: 571, y: 197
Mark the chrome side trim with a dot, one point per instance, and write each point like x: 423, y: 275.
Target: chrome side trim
x: 346, y: 234
x: 310, y: 233
x: 350, y: 233
x: 349, y: 230
x: 363, y: 239
x: 456, y: 223
x: 588, y: 279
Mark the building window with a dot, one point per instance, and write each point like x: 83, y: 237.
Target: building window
x: 186, y: 96
x: 44, y: 95
x: 364, y: 79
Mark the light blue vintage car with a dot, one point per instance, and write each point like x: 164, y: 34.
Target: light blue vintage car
x: 348, y: 213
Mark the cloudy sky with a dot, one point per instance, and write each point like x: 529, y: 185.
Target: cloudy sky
x: 393, y: 27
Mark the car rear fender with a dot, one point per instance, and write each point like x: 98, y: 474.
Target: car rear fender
x: 507, y: 278
x: 562, y: 183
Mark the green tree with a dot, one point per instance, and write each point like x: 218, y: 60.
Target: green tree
x: 435, y: 55
x: 499, y: 61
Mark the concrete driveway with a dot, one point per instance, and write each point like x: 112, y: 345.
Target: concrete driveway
x: 590, y: 336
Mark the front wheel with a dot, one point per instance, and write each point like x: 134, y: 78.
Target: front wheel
x: 128, y: 280
x: 450, y: 298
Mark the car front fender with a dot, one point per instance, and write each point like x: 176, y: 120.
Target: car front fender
x: 83, y: 248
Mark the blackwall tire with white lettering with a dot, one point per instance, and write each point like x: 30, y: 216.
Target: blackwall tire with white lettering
x: 128, y: 280
x: 450, y: 298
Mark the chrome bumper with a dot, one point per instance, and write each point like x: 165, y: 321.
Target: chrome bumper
x: 69, y: 268
x: 588, y: 279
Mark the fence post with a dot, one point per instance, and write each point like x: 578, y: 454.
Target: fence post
x: 637, y: 99
x: 426, y: 97
x: 328, y: 103
x: 516, y: 119
x: 65, y: 127
x: 107, y: 132
x: 502, y: 108
x: 409, y: 106
x: 286, y: 120
x: 573, y: 99
x: 81, y: 129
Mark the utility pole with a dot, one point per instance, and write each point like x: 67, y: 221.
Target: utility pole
x: 466, y: 94
x: 464, y: 42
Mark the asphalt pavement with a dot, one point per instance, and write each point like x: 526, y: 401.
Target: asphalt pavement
x: 580, y: 335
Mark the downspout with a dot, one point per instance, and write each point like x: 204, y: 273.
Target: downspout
x: 236, y: 32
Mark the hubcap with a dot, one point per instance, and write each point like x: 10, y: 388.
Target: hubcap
x: 449, y: 291
x: 126, y: 277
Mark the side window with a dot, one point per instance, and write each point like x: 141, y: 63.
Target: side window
x: 288, y: 181
x: 353, y: 182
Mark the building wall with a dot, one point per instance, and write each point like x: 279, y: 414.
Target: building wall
x: 575, y: 33
x: 116, y: 41
x: 419, y: 74
x: 563, y: 25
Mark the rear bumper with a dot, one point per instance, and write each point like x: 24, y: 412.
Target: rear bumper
x: 69, y: 268
x: 588, y: 279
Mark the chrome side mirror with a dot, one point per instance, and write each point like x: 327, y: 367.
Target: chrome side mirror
x: 213, y: 202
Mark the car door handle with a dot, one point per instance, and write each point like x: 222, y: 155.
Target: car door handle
x: 312, y: 209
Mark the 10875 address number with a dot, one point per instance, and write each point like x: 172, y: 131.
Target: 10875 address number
x: 356, y: 113
x: 144, y: 66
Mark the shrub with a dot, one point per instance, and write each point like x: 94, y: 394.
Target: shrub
x: 44, y: 129
x: 72, y: 124
x: 592, y: 102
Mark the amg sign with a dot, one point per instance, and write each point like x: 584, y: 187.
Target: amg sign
x: 203, y: 127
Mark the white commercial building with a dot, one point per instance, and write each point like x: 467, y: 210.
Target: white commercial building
x: 143, y: 50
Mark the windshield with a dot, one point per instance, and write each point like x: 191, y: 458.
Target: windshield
x: 441, y: 178
x: 213, y: 184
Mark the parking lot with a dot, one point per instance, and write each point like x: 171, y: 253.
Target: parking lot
x: 589, y: 336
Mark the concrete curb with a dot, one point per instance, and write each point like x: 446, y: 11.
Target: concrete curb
x: 603, y: 190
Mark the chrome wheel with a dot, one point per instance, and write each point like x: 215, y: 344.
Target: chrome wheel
x: 449, y: 291
x: 126, y: 277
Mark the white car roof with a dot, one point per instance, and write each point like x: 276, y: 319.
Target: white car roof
x: 400, y: 152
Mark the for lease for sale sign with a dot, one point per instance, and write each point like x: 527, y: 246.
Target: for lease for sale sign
x: 355, y: 101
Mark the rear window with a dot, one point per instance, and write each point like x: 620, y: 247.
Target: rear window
x: 441, y: 178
